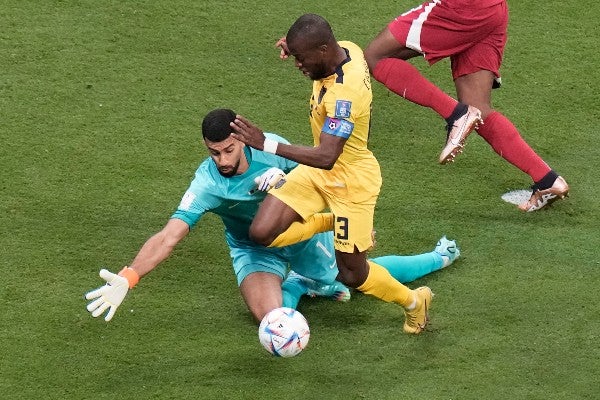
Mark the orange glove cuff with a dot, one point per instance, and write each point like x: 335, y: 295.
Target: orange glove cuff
x: 132, y: 277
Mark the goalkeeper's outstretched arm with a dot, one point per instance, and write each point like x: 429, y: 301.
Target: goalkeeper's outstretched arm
x: 159, y: 246
x: 156, y: 249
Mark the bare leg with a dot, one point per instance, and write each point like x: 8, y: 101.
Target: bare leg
x: 262, y: 293
x: 353, y: 268
x: 476, y: 89
x: 385, y: 45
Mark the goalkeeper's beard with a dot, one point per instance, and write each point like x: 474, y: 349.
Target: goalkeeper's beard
x: 232, y: 172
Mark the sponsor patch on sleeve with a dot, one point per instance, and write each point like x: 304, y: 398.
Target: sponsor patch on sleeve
x: 342, y: 108
x: 338, y: 127
x: 187, y: 200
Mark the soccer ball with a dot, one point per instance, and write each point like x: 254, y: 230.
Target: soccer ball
x: 284, y: 332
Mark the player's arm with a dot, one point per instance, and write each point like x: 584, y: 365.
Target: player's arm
x: 159, y: 246
x: 156, y: 249
x: 322, y: 156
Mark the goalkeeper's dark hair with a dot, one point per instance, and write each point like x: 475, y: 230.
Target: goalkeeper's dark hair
x: 215, y: 125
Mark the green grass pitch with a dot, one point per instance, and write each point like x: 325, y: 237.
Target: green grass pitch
x: 100, y: 106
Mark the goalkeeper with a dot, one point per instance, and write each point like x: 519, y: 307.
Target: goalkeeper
x: 232, y: 183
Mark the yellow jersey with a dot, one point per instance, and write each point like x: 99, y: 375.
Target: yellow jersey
x: 340, y: 105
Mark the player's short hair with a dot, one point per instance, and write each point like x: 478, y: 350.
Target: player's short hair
x: 215, y: 125
x: 312, y: 29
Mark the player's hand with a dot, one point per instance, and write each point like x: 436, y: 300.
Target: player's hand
x: 269, y: 179
x: 109, y: 296
x: 246, y: 132
x: 285, y: 51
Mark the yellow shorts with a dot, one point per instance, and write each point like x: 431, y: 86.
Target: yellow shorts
x: 349, y: 191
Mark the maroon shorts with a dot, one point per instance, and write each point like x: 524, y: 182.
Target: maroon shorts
x: 472, y: 35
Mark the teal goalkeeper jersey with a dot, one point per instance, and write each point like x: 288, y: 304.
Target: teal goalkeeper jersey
x: 230, y: 198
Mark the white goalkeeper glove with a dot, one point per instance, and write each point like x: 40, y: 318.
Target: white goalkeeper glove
x: 111, y: 295
x: 269, y: 179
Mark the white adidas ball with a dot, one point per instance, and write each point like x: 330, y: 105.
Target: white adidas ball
x: 284, y: 332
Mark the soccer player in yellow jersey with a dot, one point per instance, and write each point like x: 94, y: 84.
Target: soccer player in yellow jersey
x: 338, y: 173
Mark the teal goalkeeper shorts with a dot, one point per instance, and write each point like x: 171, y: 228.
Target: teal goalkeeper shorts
x: 313, y: 258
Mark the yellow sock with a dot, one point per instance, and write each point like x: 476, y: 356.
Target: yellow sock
x: 299, y: 231
x: 382, y: 285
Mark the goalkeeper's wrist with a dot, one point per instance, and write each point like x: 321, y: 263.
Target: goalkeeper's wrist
x: 132, y: 277
x: 270, y: 146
